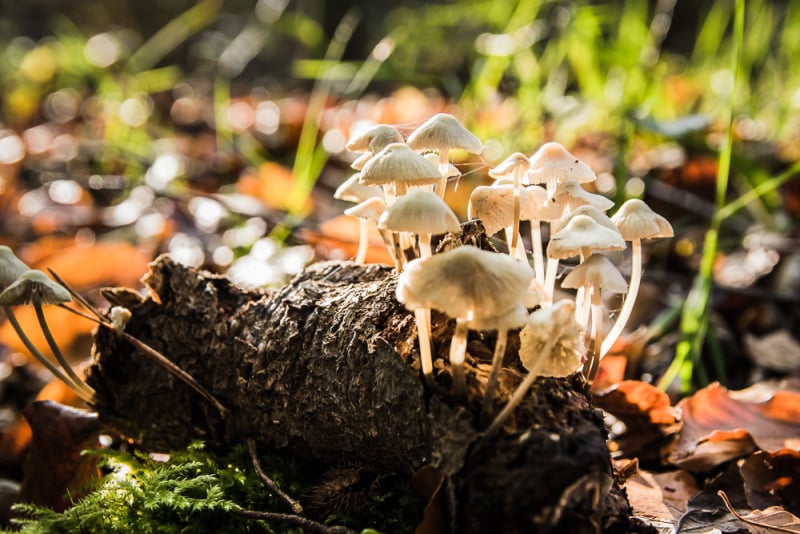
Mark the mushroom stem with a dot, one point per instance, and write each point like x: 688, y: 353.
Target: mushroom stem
x: 41, y: 357
x: 524, y: 386
x: 590, y: 368
x: 512, y: 249
x: 497, y: 364
x: 630, y: 298
x: 363, y: 241
x: 538, y: 253
x: 425, y: 249
x: 444, y: 167
x: 458, y: 353
x: 74, y: 378
x: 388, y: 240
x: 423, y: 318
x: 550, y: 281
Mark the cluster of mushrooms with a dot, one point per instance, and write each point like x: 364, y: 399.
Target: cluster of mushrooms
x: 400, y: 187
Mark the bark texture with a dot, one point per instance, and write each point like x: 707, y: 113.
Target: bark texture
x: 327, y: 368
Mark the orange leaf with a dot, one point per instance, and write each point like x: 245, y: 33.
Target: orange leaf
x: 272, y: 184
x: 338, y: 238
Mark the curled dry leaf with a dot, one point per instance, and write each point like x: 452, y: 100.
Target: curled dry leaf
x: 720, y: 425
x: 770, y: 521
x: 647, y: 414
x: 771, y: 479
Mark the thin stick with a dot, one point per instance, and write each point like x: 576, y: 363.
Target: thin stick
x: 294, y: 520
x: 293, y: 504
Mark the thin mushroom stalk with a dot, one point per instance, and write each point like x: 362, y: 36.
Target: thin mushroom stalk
x: 363, y: 241
x: 423, y: 319
x: 630, y: 298
x: 458, y: 353
x: 494, y: 373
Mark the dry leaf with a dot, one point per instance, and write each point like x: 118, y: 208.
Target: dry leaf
x: 719, y: 425
x: 338, y: 238
x: 778, y: 351
x: 773, y: 520
x: 773, y: 479
x: 661, y: 498
x: 272, y: 184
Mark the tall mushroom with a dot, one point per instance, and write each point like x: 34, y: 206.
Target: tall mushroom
x: 370, y: 210
x: 443, y: 132
x: 594, y: 275
x: 538, y: 208
x: 553, y: 163
x: 371, y: 142
x: 351, y: 190
x: 515, y: 166
x: 635, y: 221
x: 474, y: 286
x: 494, y: 206
x: 33, y: 286
x: 397, y: 167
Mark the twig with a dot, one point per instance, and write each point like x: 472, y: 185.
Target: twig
x: 293, y: 504
x: 295, y: 520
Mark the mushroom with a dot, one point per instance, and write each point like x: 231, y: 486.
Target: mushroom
x: 368, y: 210
x: 515, y: 166
x: 537, y: 208
x: 571, y: 195
x: 476, y: 287
x: 553, y: 163
x: 581, y: 236
x: 452, y: 170
x: 443, y: 132
x: 494, y: 206
x: 395, y: 168
x: 595, y: 274
x: 371, y: 142
x: 635, y: 221
x: 552, y: 343
x: 420, y: 212
x: 33, y: 286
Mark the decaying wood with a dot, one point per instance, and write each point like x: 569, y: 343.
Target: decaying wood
x: 327, y: 368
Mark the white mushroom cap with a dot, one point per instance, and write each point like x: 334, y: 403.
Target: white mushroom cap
x: 399, y: 163
x: 444, y: 132
x: 598, y: 272
x: 591, y: 211
x: 565, y: 358
x: 370, y: 209
x: 352, y: 190
x: 582, y: 234
x: 375, y: 139
x: 362, y: 160
x: 635, y: 220
x: 465, y: 282
x: 553, y: 162
x: 506, y: 168
x: 570, y: 194
x: 494, y: 206
x: 33, y: 282
x: 420, y: 211
x: 11, y: 267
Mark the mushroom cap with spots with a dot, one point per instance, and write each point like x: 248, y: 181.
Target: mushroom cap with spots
x: 30, y: 283
x: 11, y: 267
x: 554, y: 162
x: 596, y: 271
x: 444, y: 132
x: 635, y: 220
x: 494, y: 206
x: 399, y: 163
x: 375, y: 139
x: 352, y: 190
x: 465, y: 282
x: 580, y: 234
x: 420, y: 211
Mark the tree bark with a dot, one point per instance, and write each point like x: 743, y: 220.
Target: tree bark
x: 327, y: 369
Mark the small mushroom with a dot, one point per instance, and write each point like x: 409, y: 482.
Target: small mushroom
x: 368, y: 210
x: 551, y: 333
x: 471, y: 285
x: 538, y: 208
x: 443, y: 132
x: 397, y: 167
x: 635, y: 221
x: 35, y: 287
x: 552, y: 164
x: 594, y: 275
x: 371, y: 142
x: 515, y: 166
x: 571, y: 195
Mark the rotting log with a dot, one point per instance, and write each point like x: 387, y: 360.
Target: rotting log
x: 327, y: 369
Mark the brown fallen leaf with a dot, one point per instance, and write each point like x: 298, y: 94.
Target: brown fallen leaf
x: 769, y: 521
x: 773, y: 479
x: 339, y: 237
x: 661, y: 498
x: 272, y: 184
x: 777, y: 351
x: 719, y: 425
x: 650, y: 419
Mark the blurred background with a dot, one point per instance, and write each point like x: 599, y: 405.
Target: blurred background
x: 215, y: 131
